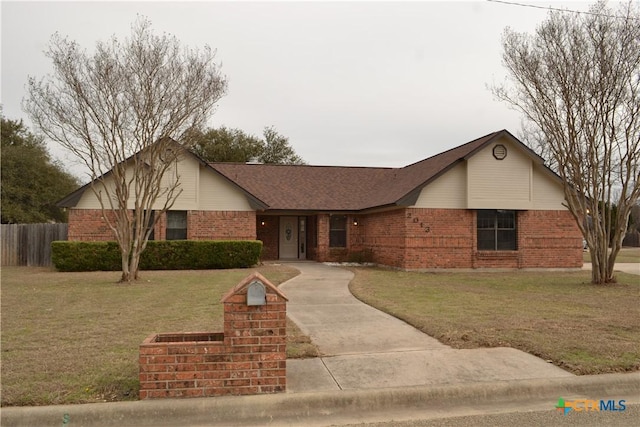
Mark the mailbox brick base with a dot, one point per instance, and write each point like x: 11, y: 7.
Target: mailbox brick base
x: 249, y: 357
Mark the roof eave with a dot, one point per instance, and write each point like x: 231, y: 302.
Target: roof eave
x: 411, y: 198
x: 71, y: 200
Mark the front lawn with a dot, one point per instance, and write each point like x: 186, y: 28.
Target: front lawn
x: 74, y: 337
x: 560, y: 317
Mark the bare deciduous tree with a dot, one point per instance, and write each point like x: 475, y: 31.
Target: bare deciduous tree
x: 119, y: 111
x: 577, y: 82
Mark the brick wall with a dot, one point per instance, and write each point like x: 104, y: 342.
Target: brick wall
x: 89, y: 225
x: 322, y: 251
x: 160, y: 229
x: 439, y: 238
x: 404, y: 238
x: 549, y: 239
x: 446, y: 238
x: 383, y: 234
x: 355, y: 233
x: 267, y: 231
x: 248, y: 358
x: 322, y: 227
x: 221, y: 225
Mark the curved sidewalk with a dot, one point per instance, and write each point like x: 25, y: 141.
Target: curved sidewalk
x: 364, y: 348
x: 630, y: 267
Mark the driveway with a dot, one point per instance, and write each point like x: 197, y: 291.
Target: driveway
x: 365, y: 348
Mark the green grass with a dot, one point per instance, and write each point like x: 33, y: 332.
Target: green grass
x: 560, y: 317
x: 74, y: 337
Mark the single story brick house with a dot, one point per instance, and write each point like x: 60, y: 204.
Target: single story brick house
x: 488, y: 203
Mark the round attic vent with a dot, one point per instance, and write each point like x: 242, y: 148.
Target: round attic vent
x: 499, y: 151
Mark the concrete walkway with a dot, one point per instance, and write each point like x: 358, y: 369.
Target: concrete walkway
x: 364, y: 348
x: 629, y: 267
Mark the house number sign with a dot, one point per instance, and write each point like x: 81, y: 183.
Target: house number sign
x: 416, y: 220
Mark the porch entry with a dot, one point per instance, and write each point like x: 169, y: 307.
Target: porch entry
x: 293, y: 237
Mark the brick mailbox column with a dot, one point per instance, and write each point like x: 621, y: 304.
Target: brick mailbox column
x: 256, y: 337
x: 249, y: 357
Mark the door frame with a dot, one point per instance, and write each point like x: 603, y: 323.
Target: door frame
x: 301, y: 236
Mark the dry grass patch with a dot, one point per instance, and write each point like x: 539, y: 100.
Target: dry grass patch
x: 299, y: 345
x: 74, y: 337
x: 560, y: 317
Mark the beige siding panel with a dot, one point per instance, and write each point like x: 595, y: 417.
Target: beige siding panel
x: 218, y: 194
x: 449, y: 191
x: 90, y: 201
x: 547, y: 192
x: 188, y: 175
x: 188, y: 171
x: 500, y: 184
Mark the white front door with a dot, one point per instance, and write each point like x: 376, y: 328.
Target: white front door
x: 288, y: 237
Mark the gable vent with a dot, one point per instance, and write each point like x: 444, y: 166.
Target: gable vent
x: 500, y: 152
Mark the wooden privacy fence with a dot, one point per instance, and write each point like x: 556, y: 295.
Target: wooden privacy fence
x: 29, y: 244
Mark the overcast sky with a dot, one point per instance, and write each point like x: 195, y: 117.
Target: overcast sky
x: 356, y: 84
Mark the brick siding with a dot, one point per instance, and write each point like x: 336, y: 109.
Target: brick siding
x: 221, y: 225
x: 446, y: 238
x: 268, y: 234
x: 322, y: 248
x: 383, y: 233
x: 412, y: 238
x: 88, y: 225
x: 439, y: 238
x: 549, y: 239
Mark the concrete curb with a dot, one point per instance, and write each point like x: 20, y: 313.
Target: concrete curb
x: 294, y: 408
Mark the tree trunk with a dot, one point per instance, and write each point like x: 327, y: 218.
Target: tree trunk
x: 134, y: 265
x: 602, y: 265
x: 126, y: 275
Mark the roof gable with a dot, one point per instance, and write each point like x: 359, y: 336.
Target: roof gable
x: 72, y: 199
x: 337, y: 188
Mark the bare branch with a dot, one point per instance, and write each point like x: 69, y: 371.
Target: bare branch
x: 577, y: 83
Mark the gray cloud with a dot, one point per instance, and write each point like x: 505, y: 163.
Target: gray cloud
x: 376, y: 84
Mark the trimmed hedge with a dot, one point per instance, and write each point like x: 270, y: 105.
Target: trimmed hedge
x: 159, y: 255
x: 85, y: 256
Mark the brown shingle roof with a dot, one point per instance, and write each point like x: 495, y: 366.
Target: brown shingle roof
x: 336, y: 188
x: 287, y: 187
x: 333, y: 188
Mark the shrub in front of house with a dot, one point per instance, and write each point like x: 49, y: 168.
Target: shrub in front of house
x: 360, y: 257
x: 200, y: 254
x: 85, y: 256
x: 159, y: 255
